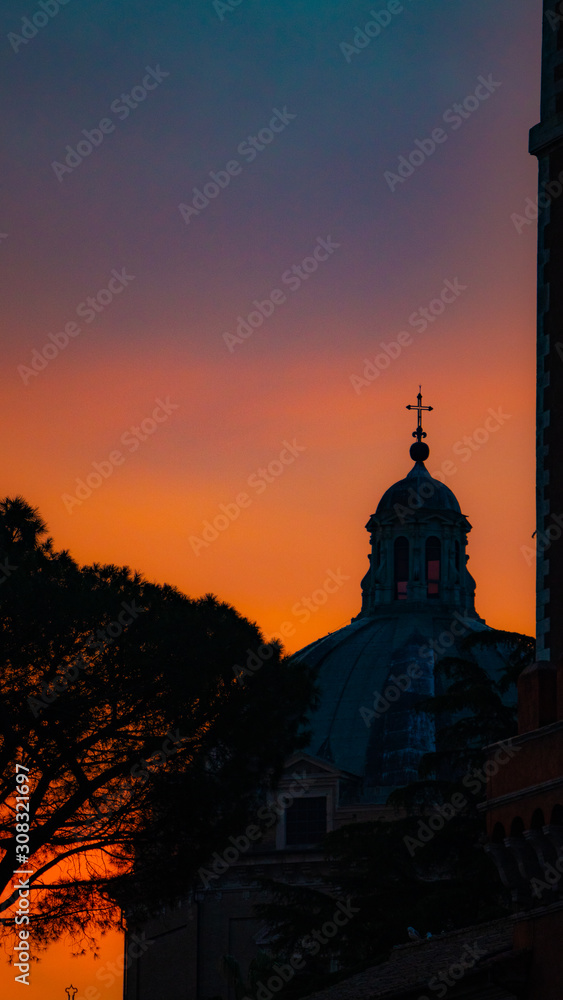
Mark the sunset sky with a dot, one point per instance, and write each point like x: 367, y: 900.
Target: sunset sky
x: 117, y: 114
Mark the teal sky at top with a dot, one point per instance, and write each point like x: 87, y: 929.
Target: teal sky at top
x: 323, y: 174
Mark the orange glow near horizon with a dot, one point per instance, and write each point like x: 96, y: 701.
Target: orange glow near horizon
x: 102, y: 976
x: 310, y: 518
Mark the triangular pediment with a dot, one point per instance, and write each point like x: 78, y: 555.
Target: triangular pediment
x: 308, y: 764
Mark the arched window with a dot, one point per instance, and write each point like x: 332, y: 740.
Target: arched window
x: 378, y: 554
x: 433, y: 559
x: 498, y: 834
x: 457, y: 556
x: 401, y: 568
x: 537, y: 820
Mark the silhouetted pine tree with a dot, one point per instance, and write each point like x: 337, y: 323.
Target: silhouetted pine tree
x: 142, y: 749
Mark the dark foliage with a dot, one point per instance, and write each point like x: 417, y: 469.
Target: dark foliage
x: 144, y: 750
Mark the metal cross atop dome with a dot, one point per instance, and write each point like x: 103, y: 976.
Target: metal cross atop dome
x: 419, y: 434
x: 419, y: 451
x: 71, y: 991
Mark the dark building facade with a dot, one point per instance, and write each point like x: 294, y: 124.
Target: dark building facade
x: 525, y: 827
x: 525, y: 797
x: 546, y: 142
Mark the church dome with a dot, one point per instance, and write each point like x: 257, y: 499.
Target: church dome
x: 418, y: 605
x: 419, y: 483
x: 371, y: 674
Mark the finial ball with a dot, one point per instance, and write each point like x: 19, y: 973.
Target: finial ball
x: 419, y: 451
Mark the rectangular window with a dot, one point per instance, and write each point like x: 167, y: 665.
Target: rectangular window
x: 305, y: 821
x: 433, y: 559
x: 401, y: 568
x: 434, y: 578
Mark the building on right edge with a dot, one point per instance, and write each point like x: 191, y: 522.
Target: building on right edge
x: 546, y: 142
x: 525, y: 798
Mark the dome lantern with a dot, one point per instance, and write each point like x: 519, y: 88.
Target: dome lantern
x: 418, y: 538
